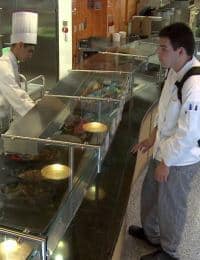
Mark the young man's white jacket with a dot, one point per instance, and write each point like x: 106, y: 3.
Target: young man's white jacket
x: 11, y: 95
x: 178, y: 125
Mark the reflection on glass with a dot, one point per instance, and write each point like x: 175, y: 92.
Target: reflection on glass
x: 59, y: 257
x: 9, y: 245
x: 11, y: 249
x: 95, y: 193
x: 61, y: 244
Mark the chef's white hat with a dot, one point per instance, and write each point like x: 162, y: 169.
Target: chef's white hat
x: 24, y: 27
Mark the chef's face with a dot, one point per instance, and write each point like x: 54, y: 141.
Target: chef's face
x: 167, y: 55
x: 25, y: 52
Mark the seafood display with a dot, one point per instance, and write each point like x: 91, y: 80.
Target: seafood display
x: 106, y: 89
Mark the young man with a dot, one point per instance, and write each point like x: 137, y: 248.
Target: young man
x: 23, y: 41
x: 170, y: 207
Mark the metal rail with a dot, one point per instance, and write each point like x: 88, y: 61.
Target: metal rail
x: 105, y: 71
x: 43, y: 82
x: 49, y: 141
x: 85, y: 98
x: 33, y: 80
x: 142, y: 57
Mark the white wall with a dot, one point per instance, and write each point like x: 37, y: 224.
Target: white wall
x: 65, y: 47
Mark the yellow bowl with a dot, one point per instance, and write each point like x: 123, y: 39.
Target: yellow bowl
x: 95, y: 127
x: 56, y: 172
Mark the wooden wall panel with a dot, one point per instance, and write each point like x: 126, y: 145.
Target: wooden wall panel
x: 117, y: 9
x: 131, y: 8
x: 87, y: 22
x: 95, y: 21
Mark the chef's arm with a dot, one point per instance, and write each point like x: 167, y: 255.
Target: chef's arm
x: 16, y: 97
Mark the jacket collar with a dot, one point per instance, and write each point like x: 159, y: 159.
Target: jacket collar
x: 185, y: 68
x: 13, y: 59
x: 15, y: 67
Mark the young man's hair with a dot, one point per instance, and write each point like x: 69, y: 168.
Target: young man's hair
x: 180, y: 35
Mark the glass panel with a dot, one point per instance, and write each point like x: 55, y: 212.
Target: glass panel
x: 79, y: 126
x: 140, y: 48
x: 110, y: 62
x: 47, y: 167
x: 36, y: 185
x: 94, y: 84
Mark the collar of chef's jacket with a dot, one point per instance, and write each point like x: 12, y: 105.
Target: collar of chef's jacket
x: 13, y: 59
x: 184, y: 69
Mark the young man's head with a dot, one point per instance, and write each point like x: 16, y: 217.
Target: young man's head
x: 23, y: 51
x: 176, y: 45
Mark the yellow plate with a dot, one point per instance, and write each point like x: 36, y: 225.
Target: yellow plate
x: 56, y: 172
x: 95, y: 127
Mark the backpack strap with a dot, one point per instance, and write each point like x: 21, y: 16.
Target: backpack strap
x: 179, y: 84
x: 163, y: 82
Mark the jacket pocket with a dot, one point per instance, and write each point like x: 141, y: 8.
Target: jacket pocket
x: 172, y: 114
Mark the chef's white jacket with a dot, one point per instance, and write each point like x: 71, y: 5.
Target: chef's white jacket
x: 11, y: 95
x: 178, y: 125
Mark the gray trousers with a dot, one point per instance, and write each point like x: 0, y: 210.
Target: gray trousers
x: 170, y: 211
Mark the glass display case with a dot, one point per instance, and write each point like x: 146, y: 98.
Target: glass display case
x: 50, y: 157
x: 96, y: 84
x: 143, y: 49
x: 134, y: 58
x: 111, y: 62
x: 92, y: 45
x: 140, y: 49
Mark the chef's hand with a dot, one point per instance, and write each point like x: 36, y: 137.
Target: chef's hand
x: 162, y: 172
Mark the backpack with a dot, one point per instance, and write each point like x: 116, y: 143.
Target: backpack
x: 179, y: 84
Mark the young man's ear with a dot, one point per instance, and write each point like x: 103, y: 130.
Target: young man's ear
x: 182, y: 51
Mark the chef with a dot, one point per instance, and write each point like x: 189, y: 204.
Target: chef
x: 13, y: 99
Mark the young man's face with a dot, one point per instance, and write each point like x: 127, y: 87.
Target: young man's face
x: 167, y: 55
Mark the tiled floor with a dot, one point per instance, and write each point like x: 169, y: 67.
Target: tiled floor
x: 133, y: 249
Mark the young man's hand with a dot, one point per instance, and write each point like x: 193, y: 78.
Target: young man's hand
x: 143, y: 146
x: 161, y: 172
x: 146, y: 144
